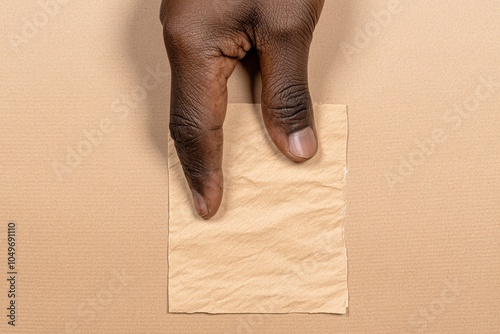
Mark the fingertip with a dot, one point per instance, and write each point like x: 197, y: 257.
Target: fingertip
x: 206, y: 208
x: 208, y: 200
x: 302, y: 144
x: 200, y: 204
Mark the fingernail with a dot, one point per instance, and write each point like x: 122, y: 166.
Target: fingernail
x: 199, y: 204
x: 303, y: 143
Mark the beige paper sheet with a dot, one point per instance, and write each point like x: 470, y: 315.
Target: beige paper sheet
x: 276, y: 245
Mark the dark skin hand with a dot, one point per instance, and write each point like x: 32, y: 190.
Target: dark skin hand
x: 204, y: 41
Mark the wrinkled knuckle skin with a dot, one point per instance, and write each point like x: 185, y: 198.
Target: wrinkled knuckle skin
x: 189, y: 144
x: 186, y: 134
x: 291, y: 106
x: 298, y: 23
x: 196, y: 146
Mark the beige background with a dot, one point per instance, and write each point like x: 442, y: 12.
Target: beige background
x: 423, y: 254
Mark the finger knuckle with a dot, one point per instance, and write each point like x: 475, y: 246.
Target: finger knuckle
x: 186, y: 133
x: 188, y: 142
x: 299, y: 25
x: 291, y: 103
x: 194, y: 150
x: 179, y: 36
x: 292, y: 114
x: 173, y: 29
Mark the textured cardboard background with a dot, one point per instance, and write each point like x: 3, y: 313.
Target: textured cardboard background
x: 423, y: 254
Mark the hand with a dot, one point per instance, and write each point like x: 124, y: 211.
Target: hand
x: 204, y: 40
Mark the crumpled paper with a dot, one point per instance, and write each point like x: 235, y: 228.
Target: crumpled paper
x: 277, y: 243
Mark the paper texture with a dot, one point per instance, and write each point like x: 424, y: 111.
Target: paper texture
x: 276, y: 245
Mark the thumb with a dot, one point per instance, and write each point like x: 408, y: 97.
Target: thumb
x: 286, y: 102
x: 197, y: 112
